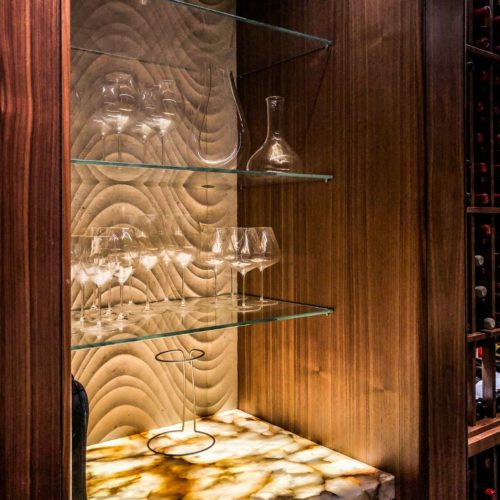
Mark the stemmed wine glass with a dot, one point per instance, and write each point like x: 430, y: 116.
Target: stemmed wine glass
x: 144, y: 132
x: 241, y: 248
x: 119, y: 98
x: 162, y: 105
x: 99, y: 265
x: 126, y: 253
x: 182, y: 252
x: 77, y: 272
x: 213, y: 247
x: 151, y: 249
x: 267, y: 253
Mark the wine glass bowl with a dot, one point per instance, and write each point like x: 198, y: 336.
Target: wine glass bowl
x: 162, y: 106
x: 241, y: 247
x: 212, y: 253
x: 99, y: 265
x: 119, y: 100
x: 267, y: 253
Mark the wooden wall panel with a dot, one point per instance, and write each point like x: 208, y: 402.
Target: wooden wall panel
x: 129, y: 390
x: 34, y: 352
x: 353, y: 381
x: 446, y: 344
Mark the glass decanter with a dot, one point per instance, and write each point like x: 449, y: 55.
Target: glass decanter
x: 275, y: 155
x: 220, y: 131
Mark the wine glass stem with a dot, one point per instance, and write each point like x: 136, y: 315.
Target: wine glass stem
x: 148, y: 307
x: 119, y: 146
x: 103, y: 146
x: 82, y: 305
x: 109, y: 298
x: 122, y: 310
x: 243, y: 298
x: 183, y: 299
x: 130, y: 292
x: 232, y: 284
x: 262, y: 285
x: 144, y: 151
x: 162, y: 148
x: 215, y: 284
x: 99, y: 316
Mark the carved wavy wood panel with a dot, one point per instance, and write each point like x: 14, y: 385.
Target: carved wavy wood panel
x: 129, y: 391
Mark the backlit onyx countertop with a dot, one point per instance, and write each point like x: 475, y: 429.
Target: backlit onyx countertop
x: 250, y: 459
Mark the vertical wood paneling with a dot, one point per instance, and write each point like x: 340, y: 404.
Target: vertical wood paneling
x: 34, y: 355
x: 446, y: 384
x: 355, y: 381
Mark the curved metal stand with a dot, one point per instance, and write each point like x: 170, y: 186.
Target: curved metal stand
x: 192, y: 356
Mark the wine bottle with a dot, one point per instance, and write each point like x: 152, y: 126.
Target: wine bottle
x: 484, y: 75
x: 482, y: 198
x: 482, y: 43
x: 489, y: 323
x: 487, y: 494
x: 79, y: 424
x: 481, y: 291
x: 479, y: 138
x: 482, y: 11
x: 481, y: 168
x: 479, y: 260
x: 485, y: 229
x: 480, y: 107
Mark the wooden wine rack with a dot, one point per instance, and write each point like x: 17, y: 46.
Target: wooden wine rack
x: 483, y: 237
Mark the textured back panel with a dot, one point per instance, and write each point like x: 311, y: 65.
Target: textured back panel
x: 129, y: 391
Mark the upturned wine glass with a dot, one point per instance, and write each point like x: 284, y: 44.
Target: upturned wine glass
x: 267, y: 253
x: 241, y: 249
x: 99, y: 265
x: 162, y: 105
x: 119, y: 99
x: 213, y: 247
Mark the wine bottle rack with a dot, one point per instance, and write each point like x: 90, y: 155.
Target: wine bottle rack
x: 483, y: 231
x: 484, y: 473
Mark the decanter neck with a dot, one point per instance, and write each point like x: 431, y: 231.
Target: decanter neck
x: 275, y: 110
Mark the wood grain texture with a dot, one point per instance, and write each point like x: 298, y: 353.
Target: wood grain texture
x: 129, y: 391
x: 353, y: 381
x: 34, y: 355
x: 446, y: 344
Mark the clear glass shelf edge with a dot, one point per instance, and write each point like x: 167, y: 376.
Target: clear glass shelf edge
x: 322, y: 41
x: 245, y: 176
x: 200, y: 316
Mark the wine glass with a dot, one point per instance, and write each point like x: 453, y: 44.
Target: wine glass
x: 151, y: 249
x: 162, y: 105
x: 105, y: 231
x: 266, y: 254
x: 99, y: 265
x: 77, y: 272
x: 144, y: 132
x: 126, y: 253
x: 119, y: 99
x: 241, y: 248
x: 212, y: 253
x: 182, y: 252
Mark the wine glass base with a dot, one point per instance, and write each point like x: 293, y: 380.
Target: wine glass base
x: 247, y: 307
x: 94, y: 329
x: 264, y: 302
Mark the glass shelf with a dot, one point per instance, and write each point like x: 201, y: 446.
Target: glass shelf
x: 200, y: 315
x: 213, y: 178
x: 215, y: 34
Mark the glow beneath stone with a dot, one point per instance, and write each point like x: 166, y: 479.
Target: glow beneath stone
x: 250, y: 459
